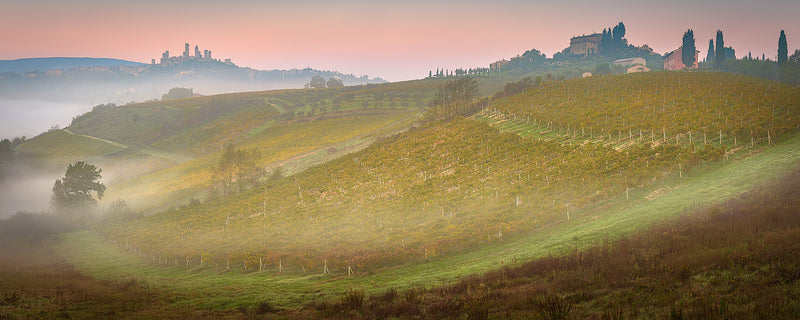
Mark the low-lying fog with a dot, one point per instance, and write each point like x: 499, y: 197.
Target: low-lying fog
x: 30, y: 117
x: 25, y: 189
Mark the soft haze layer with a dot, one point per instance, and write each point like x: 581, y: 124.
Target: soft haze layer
x: 396, y: 40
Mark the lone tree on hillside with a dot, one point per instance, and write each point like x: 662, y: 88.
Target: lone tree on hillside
x: 453, y: 98
x: 177, y: 93
x: 783, y: 50
x: 720, y: 50
x: 76, y: 191
x: 687, y: 53
x: 237, y: 171
x: 316, y: 82
x: 335, y: 83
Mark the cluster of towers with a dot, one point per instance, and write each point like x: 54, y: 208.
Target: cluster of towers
x: 167, y: 60
x: 206, y: 53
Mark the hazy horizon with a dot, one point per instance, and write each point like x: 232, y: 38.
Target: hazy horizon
x: 394, y: 41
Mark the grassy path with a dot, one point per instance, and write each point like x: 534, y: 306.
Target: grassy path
x: 667, y: 199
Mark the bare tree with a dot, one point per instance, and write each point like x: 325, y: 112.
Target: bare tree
x: 453, y: 98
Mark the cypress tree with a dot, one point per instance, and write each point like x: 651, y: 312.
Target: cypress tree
x: 688, y: 49
x: 720, y: 52
x: 783, y: 50
x: 711, y: 55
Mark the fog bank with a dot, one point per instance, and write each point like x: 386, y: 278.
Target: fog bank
x: 30, y: 118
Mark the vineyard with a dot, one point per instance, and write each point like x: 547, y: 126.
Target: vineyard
x: 371, y: 199
x: 678, y: 108
x: 424, y: 193
x: 444, y: 188
x: 278, y: 144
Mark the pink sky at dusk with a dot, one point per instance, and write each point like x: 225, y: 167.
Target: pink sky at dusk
x: 396, y: 41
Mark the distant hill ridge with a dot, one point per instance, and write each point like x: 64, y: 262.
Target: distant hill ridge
x: 44, y: 64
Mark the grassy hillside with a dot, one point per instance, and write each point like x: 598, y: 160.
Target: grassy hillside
x: 441, y: 201
x: 736, y: 260
x: 216, y: 287
x: 421, y: 194
x: 60, y: 147
x: 172, y: 144
x: 449, y: 187
x: 169, y: 123
x: 36, y: 283
x: 195, y: 126
x: 291, y: 146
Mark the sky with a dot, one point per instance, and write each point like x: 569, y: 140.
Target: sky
x: 395, y: 40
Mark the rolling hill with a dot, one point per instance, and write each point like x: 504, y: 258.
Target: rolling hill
x: 444, y: 188
x: 45, y: 64
x: 165, y: 149
x: 374, y: 202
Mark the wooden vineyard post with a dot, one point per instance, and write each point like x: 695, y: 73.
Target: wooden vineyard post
x: 720, y: 137
x: 260, y: 264
x: 325, y: 267
x: 769, y: 139
x: 627, y: 193
x: 680, y: 171
x: 280, y: 265
x: 244, y: 265
x: 349, y: 271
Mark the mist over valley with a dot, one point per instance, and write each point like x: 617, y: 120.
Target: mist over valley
x: 631, y: 173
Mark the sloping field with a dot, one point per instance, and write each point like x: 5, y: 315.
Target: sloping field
x: 447, y: 187
x: 214, y: 285
x: 60, y: 147
x: 292, y: 146
x: 447, y: 200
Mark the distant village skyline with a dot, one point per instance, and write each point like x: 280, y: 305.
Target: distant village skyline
x: 396, y: 41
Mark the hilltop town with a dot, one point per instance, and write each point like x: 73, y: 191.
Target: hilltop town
x: 166, y: 60
x: 104, y: 80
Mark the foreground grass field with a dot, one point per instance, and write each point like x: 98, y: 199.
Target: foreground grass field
x: 218, y: 288
x: 36, y: 283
